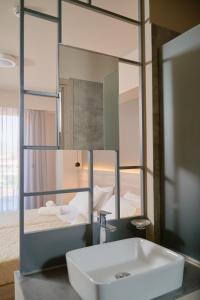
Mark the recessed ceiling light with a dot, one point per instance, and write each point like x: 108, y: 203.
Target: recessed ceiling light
x: 16, y: 11
x: 7, y: 60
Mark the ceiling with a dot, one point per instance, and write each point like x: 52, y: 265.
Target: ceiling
x: 107, y: 35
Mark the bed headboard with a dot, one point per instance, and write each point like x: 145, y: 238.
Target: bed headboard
x: 129, y: 181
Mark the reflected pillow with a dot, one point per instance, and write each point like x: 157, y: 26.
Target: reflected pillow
x: 80, y: 202
x: 127, y: 208
x: 101, y: 195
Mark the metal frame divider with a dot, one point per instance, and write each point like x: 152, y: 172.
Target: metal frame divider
x: 23, y: 91
x: 143, y: 108
x: 21, y: 128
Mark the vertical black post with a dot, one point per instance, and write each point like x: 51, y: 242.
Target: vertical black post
x: 21, y: 133
x: 89, y: 239
x: 91, y: 185
x: 117, y: 185
x: 143, y: 107
x: 58, y: 97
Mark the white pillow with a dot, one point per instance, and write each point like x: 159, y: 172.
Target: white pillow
x: 80, y: 202
x: 50, y: 203
x: 71, y: 215
x: 133, y: 198
x: 127, y: 208
x: 101, y: 195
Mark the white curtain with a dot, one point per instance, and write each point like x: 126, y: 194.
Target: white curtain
x: 9, y: 159
x: 39, y: 165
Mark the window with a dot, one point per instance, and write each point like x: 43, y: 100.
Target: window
x: 9, y: 160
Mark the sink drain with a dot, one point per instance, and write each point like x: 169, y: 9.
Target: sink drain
x: 122, y: 275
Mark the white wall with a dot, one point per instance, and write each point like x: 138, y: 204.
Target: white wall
x: 67, y: 175
x: 85, y: 65
x: 98, y: 32
x: 128, y: 8
x: 11, y: 98
x: 128, y: 77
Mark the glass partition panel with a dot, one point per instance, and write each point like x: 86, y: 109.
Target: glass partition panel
x: 54, y: 170
x: 104, y: 181
x: 127, y: 8
x: 55, y: 211
x: 40, y: 51
x: 39, y: 120
x: 129, y: 115
x: 45, y: 6
x: 108, y: 35
x: 131, y: 193
x: 89, y: 85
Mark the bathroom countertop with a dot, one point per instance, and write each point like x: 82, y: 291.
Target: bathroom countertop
x: 54, y: 284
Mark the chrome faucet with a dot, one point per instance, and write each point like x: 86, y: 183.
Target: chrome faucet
x: 104, y: 227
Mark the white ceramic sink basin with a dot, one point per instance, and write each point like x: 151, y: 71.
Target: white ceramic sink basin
x: 147, y: 270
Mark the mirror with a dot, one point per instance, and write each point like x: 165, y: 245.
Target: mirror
x: 89, y: 86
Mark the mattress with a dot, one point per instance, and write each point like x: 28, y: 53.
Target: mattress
x: 9, y: 238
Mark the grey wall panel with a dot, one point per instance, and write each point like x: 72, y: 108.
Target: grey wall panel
x: 181, y: 120
x: 47, y: 248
